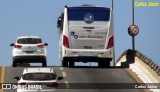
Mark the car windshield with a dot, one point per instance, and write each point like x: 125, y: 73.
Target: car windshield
x: 39, y: 76
x: 29, y: 41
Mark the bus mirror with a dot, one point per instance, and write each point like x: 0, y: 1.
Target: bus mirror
x: 59, y: 25
x: 59, y: 22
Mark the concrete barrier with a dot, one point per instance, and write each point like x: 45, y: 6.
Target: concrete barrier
x: 144, y: 67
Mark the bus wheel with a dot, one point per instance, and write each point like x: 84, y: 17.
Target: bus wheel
x: 100, y: 64
x: 104, y: 64
x: 107, y: 64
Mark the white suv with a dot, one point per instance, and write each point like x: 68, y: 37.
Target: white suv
x: 38, y: 80
x: 29, y: 49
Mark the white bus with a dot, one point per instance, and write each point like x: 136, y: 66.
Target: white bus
x: 86, y: 35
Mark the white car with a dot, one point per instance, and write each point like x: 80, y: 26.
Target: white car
x: 37, y: 80
x: 29, y: 49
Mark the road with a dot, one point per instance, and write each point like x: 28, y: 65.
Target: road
x: 79, y: 77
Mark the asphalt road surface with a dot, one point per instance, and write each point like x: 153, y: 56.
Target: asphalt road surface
x: 84, y: 79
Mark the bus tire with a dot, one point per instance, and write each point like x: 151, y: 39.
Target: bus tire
x: 104, y: 64
x: 107, y: 64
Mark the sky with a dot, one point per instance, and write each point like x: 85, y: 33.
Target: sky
x: 39, y: 17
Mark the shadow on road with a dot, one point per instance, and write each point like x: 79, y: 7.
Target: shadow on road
x: 130, y: 59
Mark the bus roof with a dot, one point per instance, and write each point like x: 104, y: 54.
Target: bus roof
x: 88, y: 8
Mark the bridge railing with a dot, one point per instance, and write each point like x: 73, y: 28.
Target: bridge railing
x: 144, y: 67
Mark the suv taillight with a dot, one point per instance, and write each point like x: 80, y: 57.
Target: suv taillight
x: 23, y: 83
x: 110, y: 42
x: 17, y: 46
x: 65, y: 41
x: 41, y: 46
x: 54, y: 85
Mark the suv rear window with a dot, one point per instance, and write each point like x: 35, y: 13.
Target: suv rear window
x: 29, y: 41
x: 39, y: 76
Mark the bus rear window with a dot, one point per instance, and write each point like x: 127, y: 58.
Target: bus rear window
x: 78, y: 13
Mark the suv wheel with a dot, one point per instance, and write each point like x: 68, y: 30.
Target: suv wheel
x: 71, y: 63
x: 65, y: 63
x: 14, y: 64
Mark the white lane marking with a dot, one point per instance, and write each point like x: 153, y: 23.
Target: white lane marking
x: 66, y: 84
x: 64, y: 74
x: 61, y: 68
x: 2, y: 76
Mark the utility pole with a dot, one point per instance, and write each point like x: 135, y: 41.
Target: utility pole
x: 133, y: 37
x: 114, y: 62
x: 133, y: 29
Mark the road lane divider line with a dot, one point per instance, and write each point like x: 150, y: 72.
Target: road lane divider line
x: 64, y: 74
x: 2, y: 76
x: 61, y: 68
x: 67, y: 84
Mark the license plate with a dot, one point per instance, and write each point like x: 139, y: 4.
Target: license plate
x: 87, y: 55
x: 29, y: 51
x: 87, y: 47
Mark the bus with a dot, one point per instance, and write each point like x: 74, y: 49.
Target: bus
x: 86, y: 35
